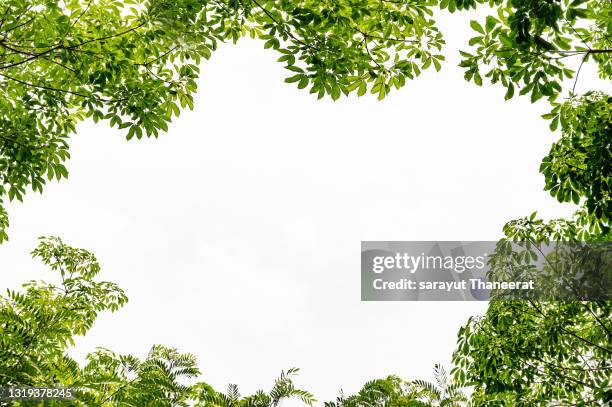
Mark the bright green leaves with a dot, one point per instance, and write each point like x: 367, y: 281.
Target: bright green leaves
x: 395, y: 392
x: 537, y: 352
x: 134, y: 65
x: 453, y: 5
x: 283, y: 389
x: 529, y: 44
x: 524, y: 353
x: 77, y: 268
x: 509, y: 91
x: 496, y: 49
x: 32, y: 143
x: 389, y: 391
x: 120, y: 380
x: 4, y: 223
x: 37, y: 325
x: 579, y: 165
x: 341, y: 47
x: 526, y: 48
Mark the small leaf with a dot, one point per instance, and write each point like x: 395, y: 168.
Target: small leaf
x: 510, y: 91
x: 476, y: 26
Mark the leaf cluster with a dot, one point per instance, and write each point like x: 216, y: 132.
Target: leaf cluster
x: 579, y: 164
x: 532, y: 353
x: 134, y: 64
x: 525, y: 45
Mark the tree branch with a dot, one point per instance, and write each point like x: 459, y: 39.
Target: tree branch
x: 58, y: 90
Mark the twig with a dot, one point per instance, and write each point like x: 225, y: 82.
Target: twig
x: 578, y: 72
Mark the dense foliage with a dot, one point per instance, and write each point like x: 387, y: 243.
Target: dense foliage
x: 525, y: 45
x: 579, y: 165
x: 528, y: 352
x: 531, y: 353
x: 39, y: 323
x: 134, y: 64
x: 393, y: 391
x: 283, y: 389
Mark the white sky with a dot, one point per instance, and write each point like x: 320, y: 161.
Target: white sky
x: 237, y: 235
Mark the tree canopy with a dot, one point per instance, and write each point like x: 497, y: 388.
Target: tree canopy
x: 39, y: 323
x: 527, y: 352
x: 135, y: 64
x: 528, y: 43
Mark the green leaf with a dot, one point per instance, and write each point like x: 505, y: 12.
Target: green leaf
x: 509, y: 92
x: 294, y: 78
x: 490, y: 23
x: 476, y: 26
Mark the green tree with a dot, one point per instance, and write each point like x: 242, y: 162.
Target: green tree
x: 38, y: 325
x: 525, y: 45
x: 443, y: 393
x: 578, y: 167
x: 390, y: 391
x: 395, y: 392
x: 531, y: 353
x: 134, y: 64
x: 283, y: 389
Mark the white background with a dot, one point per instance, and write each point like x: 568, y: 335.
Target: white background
x: 237, y: 234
